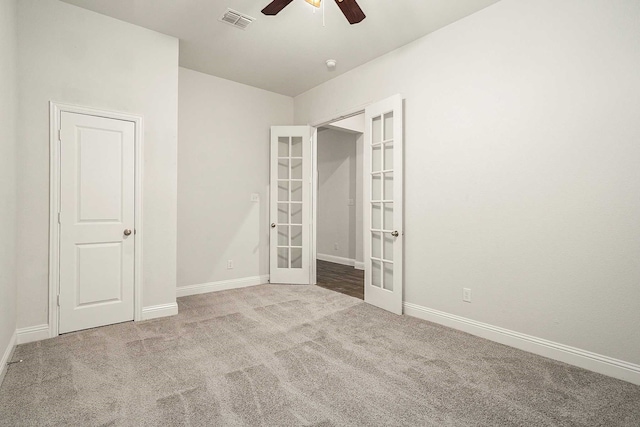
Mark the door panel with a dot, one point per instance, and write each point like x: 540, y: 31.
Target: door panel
x: 97, y: 158
x: 100, y: 176
x: 383, y: 169
x: 104, y: 257
x: 290, y: 204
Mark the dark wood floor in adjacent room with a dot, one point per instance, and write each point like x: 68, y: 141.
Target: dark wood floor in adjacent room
x: 341, y: 278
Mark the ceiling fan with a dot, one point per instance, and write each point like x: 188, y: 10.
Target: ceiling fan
x: 349, y: 8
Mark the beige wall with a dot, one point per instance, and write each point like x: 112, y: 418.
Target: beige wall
x: 70, y: 55
x: 521, y: 167
x: 337, y: 176
x: 8, y: 142
x: 223, y: 157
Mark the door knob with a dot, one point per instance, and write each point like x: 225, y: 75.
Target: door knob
x: 127, y: 232
x: 273, y: 225
x: 395, y: 234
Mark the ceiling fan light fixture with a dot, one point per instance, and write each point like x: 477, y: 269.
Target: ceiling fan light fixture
x: 314, y: 3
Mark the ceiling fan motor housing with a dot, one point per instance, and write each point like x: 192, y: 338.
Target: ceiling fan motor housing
x: 350, y: 8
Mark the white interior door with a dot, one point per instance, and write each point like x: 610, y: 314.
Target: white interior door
x: 290, y: 205
x: 383, y: 190
x: 97, y: 240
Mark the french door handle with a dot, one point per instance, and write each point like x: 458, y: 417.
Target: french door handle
x: 273, y: 225
x: 395, y: 234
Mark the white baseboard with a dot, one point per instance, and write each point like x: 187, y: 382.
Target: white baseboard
x: 6, y: 356
x: 41, y: 332
x: 358, y: 265
x: 605, y: 365
x: 337, y: 260
x: 32, y: 333
x: 162, y: 310
x: 222, y: 285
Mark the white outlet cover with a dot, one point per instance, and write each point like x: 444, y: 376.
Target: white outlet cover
x: 255, y: 197
x: 351, y: 202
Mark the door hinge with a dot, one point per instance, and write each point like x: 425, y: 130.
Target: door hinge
x: 58, y: 300
x: 59, y: 220
x: 59, y: 134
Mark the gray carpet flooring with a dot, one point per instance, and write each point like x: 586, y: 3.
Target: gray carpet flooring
x: 291, y: 356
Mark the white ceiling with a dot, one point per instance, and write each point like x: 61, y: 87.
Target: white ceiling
x: 285, y: 53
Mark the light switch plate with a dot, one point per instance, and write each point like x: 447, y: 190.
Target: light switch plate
x: 466, y: 294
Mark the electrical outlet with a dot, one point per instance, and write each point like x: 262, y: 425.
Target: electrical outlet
x: 466, y: 294
x: 229, y: 264
x: 351, y: 202
x: 255, y: 197
x: 335, y: 246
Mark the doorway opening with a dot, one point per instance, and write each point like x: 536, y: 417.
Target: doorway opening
x: 339, y: 240
x: 294, y: 199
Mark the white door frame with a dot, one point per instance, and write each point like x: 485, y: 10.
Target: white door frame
x: 55, y: 111
x: 314, y: 185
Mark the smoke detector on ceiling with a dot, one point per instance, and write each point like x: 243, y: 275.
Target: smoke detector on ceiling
x: 236, y: 19
x: 331, y: 64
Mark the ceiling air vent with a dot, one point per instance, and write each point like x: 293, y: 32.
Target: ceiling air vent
x: 236, y: 19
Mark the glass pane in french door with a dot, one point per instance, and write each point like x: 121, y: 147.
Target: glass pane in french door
x: 381, y: 202
x: 289, y: 202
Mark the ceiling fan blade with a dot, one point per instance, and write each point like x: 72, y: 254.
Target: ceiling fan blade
x: 275, y: 7
x: 351, y: 11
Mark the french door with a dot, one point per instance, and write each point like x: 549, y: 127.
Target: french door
x: 383, y: 190
x: 290, y: 205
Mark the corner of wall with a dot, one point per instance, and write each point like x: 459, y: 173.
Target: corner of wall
x: 6, y: 357
x: 8, y: 178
